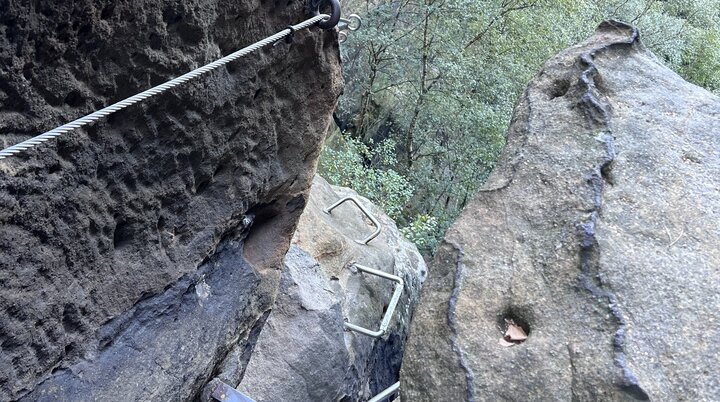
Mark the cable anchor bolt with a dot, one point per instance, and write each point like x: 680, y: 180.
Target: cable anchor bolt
x: 352, y: 23
x: 316, y: 7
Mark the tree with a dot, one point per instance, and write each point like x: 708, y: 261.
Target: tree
x: 439, y: 79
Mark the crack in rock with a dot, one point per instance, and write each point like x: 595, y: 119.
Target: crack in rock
x: 452, y: 323
x: 597, y: 110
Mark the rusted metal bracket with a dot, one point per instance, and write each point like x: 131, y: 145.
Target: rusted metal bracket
x: 399, y: 284
x: 367, y: 213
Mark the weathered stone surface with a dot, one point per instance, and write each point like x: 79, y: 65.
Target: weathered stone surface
x: 302, y: 353
x: 598, y: 232
x: 128, y: 265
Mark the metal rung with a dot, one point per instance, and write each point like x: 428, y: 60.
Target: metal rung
x: 226, y: 393
x: 389, y: 391
x: 399, y: 284
x: 364, y: 211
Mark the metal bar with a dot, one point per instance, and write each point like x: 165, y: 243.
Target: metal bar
x: 389, y: 391
x: 357, y: 328
x: 391, y: 307
x: 380, y: 273
x: 367, y: 213
x: 226, y: 393
x: 385, y: 324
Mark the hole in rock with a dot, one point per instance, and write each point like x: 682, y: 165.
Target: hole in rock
x: 54, y: 168
x: 514, y: 327
x: 606, y: 171
x: 74, y: 99
x: 108, y: 11
x: 123, y: 234
x: 560, y: 88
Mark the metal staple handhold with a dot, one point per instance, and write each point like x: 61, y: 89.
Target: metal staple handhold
x: 399, y: 284
x: 226, y: 393
x: 364, y: 211
x: 387, y: 392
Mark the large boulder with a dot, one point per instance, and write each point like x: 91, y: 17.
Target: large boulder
x: 597, y: 235
x: 303, y: 354
x: 140, y: 254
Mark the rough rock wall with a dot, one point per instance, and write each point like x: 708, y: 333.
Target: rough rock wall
x: 597, y: 233
x: 138, y: 255
x: 302, y: 353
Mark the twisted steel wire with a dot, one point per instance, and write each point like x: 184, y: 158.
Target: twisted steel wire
x: 56, y: 132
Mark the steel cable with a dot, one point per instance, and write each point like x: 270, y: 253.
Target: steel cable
x: 56, y: 132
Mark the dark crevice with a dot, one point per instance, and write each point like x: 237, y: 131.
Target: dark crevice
x: 385, y: 361
x: 251, y: 342
x: 247, y: 341
x: 296, y: 203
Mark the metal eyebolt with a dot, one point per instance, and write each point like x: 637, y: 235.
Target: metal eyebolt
x: 346, y: 25
x: 353, y: 22
x: 331, y: 22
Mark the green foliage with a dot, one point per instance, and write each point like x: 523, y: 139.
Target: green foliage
x: 431, y: 85
x: 422, y: 231
x: 345, y: 163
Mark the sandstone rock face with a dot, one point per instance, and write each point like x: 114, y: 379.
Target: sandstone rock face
x: 302, y: 353
x: 139, y: 257
x: 598, y: 233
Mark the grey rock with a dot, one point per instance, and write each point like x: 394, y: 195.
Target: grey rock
x: 303, y: 354
x: 300, y: 354
x: 597, y: 232
x: 193, y: 324
x: 107, y: 233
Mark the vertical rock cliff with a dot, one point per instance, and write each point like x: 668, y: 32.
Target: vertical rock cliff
x: 597, y: 234
x: 140, y: 256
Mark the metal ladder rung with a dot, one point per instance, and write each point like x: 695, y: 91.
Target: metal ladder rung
x: 226, y: 393
x: 399, y: 284
x: 367, y: 213
x: 387, y: 392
